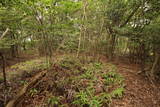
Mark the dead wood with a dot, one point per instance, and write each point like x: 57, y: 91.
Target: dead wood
x: 25, y: 89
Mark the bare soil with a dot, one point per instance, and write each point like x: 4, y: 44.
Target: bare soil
x: 139, y: 91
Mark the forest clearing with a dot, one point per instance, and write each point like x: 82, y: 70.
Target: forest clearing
x: 79, y: 53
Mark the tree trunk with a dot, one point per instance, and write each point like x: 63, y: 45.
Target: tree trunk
x: 142, y: 56
x: 112, y: 47
x: 3, y: 69
x: 156, y: 66
x: 14, y: 47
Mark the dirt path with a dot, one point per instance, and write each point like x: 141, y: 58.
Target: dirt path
x: 139, y: 91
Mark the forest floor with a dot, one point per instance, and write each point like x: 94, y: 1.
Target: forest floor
x: 139, y: 91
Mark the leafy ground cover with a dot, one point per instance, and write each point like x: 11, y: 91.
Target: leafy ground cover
x: 71, y: 83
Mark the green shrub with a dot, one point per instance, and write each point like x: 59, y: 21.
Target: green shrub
x: 69, y: 63
x: 113, y: 78
x: 118, y: 92
x: 33, y: 91
x: 53, y: 100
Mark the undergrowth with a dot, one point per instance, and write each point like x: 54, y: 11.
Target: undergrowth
x: 37, y: 64
x: 73, y: 83
x: 24, y: 69
x: 86, y: 85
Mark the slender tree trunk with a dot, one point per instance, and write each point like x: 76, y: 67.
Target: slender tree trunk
x: 112, y: 47
x: 83, y: 29
x: 142, y: 56
x: 24, y: 45
x: 3, y: 69
x: 79, y: 44
x: 14, y: 47
x: 156, y: 66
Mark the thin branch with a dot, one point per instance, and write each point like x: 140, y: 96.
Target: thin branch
x: 130, y: 16
x: 4, y: 33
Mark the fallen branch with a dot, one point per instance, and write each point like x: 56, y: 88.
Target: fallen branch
x: 14, y: 102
